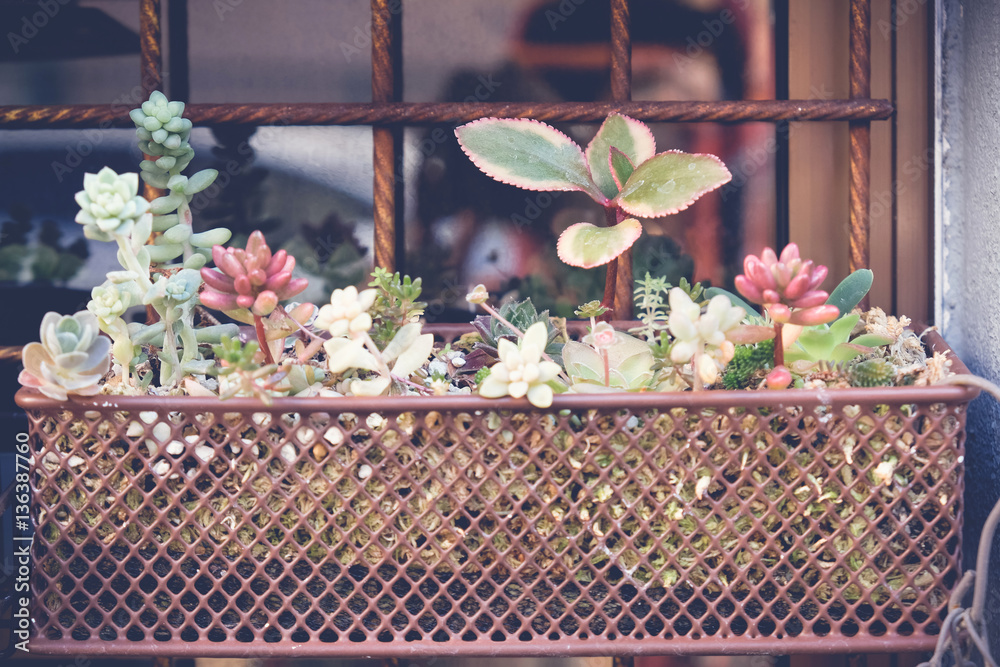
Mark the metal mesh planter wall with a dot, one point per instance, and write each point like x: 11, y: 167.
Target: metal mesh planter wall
x: 624, y: 524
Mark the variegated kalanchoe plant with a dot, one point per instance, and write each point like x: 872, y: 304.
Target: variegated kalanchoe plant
x: 152, y: 327
x: 619, y: 169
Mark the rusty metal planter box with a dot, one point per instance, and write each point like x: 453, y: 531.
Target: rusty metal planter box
x: 711, y: 522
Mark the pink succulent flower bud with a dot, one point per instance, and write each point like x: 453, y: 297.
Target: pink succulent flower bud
x: 250, y: 278
x: 778, y: 378
x: 603, y: 335
x: 788, y: 280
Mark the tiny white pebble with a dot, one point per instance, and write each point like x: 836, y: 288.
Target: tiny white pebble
x: 306, y: 435
x: 92, y: 414
x: 153, y: 448
x: 148, y: 416
x: 175, y: 448
x: 161, y: 431
x: 204, y: 452
x: 365, y: 471
x: 288, y: 452
x: 161, y: 467
x: 334, y: 436
x: 375, y: 421
x: 261, y: 418
x: 134, y: 430
x: 75, y: 461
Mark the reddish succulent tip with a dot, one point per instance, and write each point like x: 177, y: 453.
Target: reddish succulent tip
x: 217, y: 300
x: 816, y: 315
x: 779, y: 378
x: 789, y: 253
x: 748, y: 289
x: 779, y: 312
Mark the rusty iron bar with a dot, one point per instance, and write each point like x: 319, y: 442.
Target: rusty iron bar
x: 387, y: 142
x: 150, y: 63
x: 428, y: 113
x: 860, y: 137
x: 621, y: 52
x: 151, y: 58
x: 621, y: 91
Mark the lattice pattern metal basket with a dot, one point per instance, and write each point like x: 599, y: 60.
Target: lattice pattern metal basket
x: 622, y: 524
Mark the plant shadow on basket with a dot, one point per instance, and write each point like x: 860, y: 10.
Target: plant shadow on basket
x: 326, y: 481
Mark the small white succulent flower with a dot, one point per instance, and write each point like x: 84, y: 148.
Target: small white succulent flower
x: 521, y: 370
x: 347, y: 312
x: 602, y: 337
x: 700, y: 338
x: 109, y: 204
x: 478, y: 295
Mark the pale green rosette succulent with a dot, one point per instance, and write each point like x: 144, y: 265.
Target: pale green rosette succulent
x: 109, y: 301
x: 521, y: 370
x: 109, y: 204
x: 71, y: 359
x: 163, y: 135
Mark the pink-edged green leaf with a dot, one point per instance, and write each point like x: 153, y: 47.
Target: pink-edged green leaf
x: 627, y: 135
x: 587, y: 245
x: 670, y: 182
x: 621, y: 167
x: 527, y: 154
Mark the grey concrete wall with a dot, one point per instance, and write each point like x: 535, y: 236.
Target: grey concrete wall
x: 970, y: 239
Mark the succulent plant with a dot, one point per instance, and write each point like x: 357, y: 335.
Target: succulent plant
x: 620, y: 170
x: 239, y: 373
x: 747, y: 360
x: 71, y: 359
x: 250, y: 279
x: 787, y: 287
x: 108, y: 302
x: 109, y: 204
x: 608, y: 359
x: 831, y: 343
x: 522, y: 315
x: 234, y: 355
x: 347, y: 313
x: 872, y: 373
x: 651, y: 303
x: 521, y: 371
x: 396, y: 303
x: 163, y: 135
x: 700, y: 338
